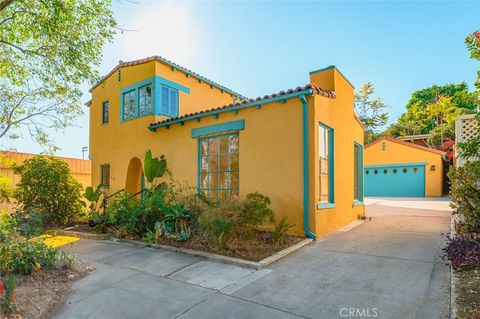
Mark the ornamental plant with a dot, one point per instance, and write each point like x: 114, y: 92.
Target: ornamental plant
x: 465, y: 194
x: 463, y: 251
x: 47, y: 186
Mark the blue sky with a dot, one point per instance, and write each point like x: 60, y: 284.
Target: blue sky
x: 258, y: 48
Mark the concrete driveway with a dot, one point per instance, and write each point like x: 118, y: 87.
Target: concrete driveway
x: 388, y: 267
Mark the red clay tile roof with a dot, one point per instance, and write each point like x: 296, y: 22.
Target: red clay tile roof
x: 391, y: 139
x: 168, y: 62
x: 314, y: 89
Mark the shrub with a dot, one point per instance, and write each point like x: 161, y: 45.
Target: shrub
x: 29, y: 223
x: 21, y: 256
x: 465, y: 194
x: 47, y: 186
x: 93, y: 196
x: 6, y: 191
x: 8, y: 301
x: 279, y: 233
x: 177, y: 222
x: 7, y: 226
x: 462, y: 251
x: 256, y: 210
x: 218, y: 222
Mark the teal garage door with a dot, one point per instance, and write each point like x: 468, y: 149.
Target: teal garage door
x: 402, y: 180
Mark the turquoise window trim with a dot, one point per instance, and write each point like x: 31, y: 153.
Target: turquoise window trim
x: 218, y: 128
x: 199, y: 158
x: 173, y: 85
x: 323, y: 205
x: 358, y: 203
x: 395, y: 165
x: 167, y: 112
x: 331, y: 169
x: 361, y: 171
x: 156, y: 82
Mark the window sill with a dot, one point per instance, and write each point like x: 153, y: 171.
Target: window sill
x: 136, y: 117
x: 325, y: 205
x: 357, y: 203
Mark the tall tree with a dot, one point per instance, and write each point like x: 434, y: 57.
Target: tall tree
x: 372, y: 111
x: 48, y: 48
x: 419, y: 117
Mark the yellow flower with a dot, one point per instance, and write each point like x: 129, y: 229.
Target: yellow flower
x: 37, y: 266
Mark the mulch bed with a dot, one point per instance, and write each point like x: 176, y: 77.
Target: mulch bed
x: 255, y: 248
x: 37, y: 294
x: 468, y: 294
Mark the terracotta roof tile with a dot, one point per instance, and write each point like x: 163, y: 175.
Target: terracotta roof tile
x: 168, y: 62
x: 315, y: 90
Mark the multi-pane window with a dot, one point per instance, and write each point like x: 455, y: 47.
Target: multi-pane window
x: 325, y: 148
x: 129, y: 107
x: 105, y: 112
x: 105, y: 175
x: 169, y: 101
x: 219, y: 167
x: 357, y: 172
x: 145, y: 100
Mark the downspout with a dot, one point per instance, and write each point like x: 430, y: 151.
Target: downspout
x: 306, y: 182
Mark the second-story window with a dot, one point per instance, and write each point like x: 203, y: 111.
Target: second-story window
x: 169, y: 101
x: 105, y: 112
x: 129, y: 105
x: 144, y: 100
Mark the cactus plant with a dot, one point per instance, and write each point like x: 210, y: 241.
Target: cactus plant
x: 154, y: 167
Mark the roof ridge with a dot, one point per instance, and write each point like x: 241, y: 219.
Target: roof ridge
x: 159, y: 58
x: 314, y: 89
x: 395, y: 140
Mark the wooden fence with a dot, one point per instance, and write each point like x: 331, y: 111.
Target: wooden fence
x: 81, y: 170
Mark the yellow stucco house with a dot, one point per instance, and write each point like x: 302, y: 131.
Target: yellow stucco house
x: 395, y: 168
x: 301, y: 147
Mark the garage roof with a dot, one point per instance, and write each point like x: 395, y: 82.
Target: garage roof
x: 391, y: 139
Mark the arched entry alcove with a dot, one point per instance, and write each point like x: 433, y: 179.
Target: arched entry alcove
x: 135, y: 180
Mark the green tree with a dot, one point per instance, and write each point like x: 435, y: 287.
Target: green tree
x: 47, y: 186
x: 471, y: 148
x: 427, y: 108
x: 48, y: 48
x: 371, y: 111
x: 446, y: 112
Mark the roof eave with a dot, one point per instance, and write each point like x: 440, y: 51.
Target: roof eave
x: 171, y: 64
x: 307, y: 92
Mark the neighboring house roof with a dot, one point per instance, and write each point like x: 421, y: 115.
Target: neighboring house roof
x: 414, y: 137
x: 170, y: 63
x: 394, y: 140
x: 282, y: 95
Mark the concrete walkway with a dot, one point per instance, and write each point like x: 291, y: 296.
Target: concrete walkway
x: 388, y: 267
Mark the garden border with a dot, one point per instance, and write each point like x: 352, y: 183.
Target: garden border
x: 198, y: 253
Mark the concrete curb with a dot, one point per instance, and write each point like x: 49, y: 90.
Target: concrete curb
x: 211, y: 256
x: 63, y: 232
x: 257, y: 265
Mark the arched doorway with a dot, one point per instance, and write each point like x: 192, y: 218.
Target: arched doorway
x: 135, y: 179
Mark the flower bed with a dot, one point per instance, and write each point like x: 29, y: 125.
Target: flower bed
x: 171, y: 213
